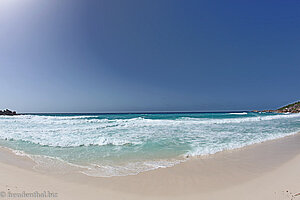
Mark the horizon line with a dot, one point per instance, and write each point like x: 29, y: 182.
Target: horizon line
x: 139, y: 112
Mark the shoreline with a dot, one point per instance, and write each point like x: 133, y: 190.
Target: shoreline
x: 228, y: 173
x: 98, y: 154
x: 20, y: 158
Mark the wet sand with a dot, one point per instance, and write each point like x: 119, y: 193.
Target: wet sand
x: 269, y: 170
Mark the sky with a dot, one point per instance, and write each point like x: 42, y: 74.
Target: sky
x: 148, y: 55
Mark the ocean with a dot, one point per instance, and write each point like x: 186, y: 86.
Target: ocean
x: 106, y: 145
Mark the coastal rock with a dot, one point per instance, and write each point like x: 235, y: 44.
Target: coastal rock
x: 8, y: 112
x: 291, y: 108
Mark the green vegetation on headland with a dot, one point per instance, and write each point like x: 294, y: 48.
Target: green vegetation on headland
x: 291, y: 108
x: 8, y: 112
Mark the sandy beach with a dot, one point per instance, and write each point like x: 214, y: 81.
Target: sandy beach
x: 149, y: 100
x: 268, y: 170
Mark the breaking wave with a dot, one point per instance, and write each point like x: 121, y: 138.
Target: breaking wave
x: 116, y: 145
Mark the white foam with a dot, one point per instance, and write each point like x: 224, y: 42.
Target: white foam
x: 241, y: 113
x: 202, y: 151
x: 59, y: 166
x: 186, y: 136
x: 52, y: 131
x: 129, y: 168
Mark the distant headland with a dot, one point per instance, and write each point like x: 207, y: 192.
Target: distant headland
x: 8, y: 112
x: 291, y: 108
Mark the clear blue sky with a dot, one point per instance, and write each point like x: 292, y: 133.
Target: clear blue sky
x: 148, y: 55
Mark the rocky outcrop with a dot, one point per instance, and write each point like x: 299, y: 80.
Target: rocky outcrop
x: 8, y: 112
x: 291, y: 108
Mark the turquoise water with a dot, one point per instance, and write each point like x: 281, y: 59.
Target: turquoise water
x: 124, y: 144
